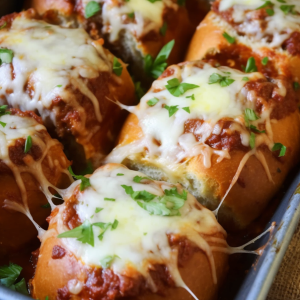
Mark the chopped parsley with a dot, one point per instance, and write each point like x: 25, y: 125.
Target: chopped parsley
x: 139, y: 91
x: 266, y: 4
x: 109, y: 199
x: 254, y: 128
x: 107, y: 261
x: 252, y: 140
x: 229, y: 38
x: 222, y: 80
x: 120, y: 174
x: 47, y: 205
x: 153, y: 1
x: 171, y: 109
x: 84, y: 232
x: 88, y: 168
x: 251, y: 66
x: 155, y: 68
x: 296, y: 85
x: 138, y: 179
x: 177, y: 89
x: 9, y: 276
x: 3, y: 25
x: 85, y: 182
x: 288, y: 9
x: 131, y: 15
x: 279, y: 146
x: 141, y: 195
x: 265, y: 61
x: 152, y: 101
x: 2, y: 124
x: 92, y: 8
x: 98, y: 209
x: 59, y: 85
x: 270, y: 11
x: 6, y: 56
x: 250, y: 115
x: 163, y: 29
x: 28, y: 144
x: 191, y: 97
x: 187, y: 109
x: 245, y: 79
x: 167, y: 205
x: 117, y: 67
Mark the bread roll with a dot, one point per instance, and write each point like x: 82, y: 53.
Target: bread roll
x: 215, y: 131
x: 143, y: 240
x: 271, y: 32
x: 26, y: 177
x: 68, y: 79
x: 131, y: 29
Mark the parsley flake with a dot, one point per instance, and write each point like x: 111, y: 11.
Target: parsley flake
x: 252, y: 140
x: 254, y: 128
x: 177, y: 89
x: 117, y: 67
x: 9, y: 275
x: 138, y: 179
x: 131, y: 15
x: 85, y: 182
x: 138, y: 195
x: 155, y: 68
x: 109, y: 199
x: 98, y: 209
x: 47, y: 205
x: 191, y: 97
x: 229, y: 38
x: 296, y: 85
x: 120, y: 174
x: 28, y: 144
x: 222, y: 80
x: 92, y: 8
x: 6, y: 56
x: 265, y: 61
x: 3, y: 25
x: 187, y: 109
x: 171, y: 109
x: 279, y: 146
x: 2, y: 124
x: 266, y: 4
x: 107, y: 261
x: 251, y: 66
x: 152, y: 101
x: 250, y: 115
x: 245, y: 79
x: 163, y: 29
x: 288, y: 9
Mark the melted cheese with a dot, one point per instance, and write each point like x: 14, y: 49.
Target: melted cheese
x: 279, y: 26
x: 148, y: 16
x: 53, y: 60
x: 164, y: 136
x: 140, y: 239
x: 20, y: 128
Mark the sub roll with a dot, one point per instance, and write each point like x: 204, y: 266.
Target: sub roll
x: 132, y: 30
x: 127, y: 236
x: 220, y: 132
x: 68, y: 79
x: 31, y: 162
x: 268, y: 31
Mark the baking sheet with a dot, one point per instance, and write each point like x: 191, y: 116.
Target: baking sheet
x: 258, y: 281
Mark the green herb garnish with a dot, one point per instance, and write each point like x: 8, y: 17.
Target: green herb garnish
x: 279, y: 146
x: 222, y: 80
x: 177, y: 89
x: 171, y: 109
x: 229, y: 38
x: 155, y: 68
x: 117, y: 67
x: 163, y: 29
x: 85, y: 182
x: 265, y: 61
x: 92, y: 8
x: 187, y: 109
x: 28, y: 144
x: 251, y: 66
x: 152, y: 101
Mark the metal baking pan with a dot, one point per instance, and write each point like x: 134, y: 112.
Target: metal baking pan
x: 261, y: 271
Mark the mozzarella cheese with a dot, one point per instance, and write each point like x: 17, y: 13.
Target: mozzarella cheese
x: 147, y: 16
x: 51, y: 59
x: 20, y: 128
x: 140, y: 239
x: 164, y: 136
x: 278, y: 26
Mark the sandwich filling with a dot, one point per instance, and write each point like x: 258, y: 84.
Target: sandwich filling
x: 127, y: 220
